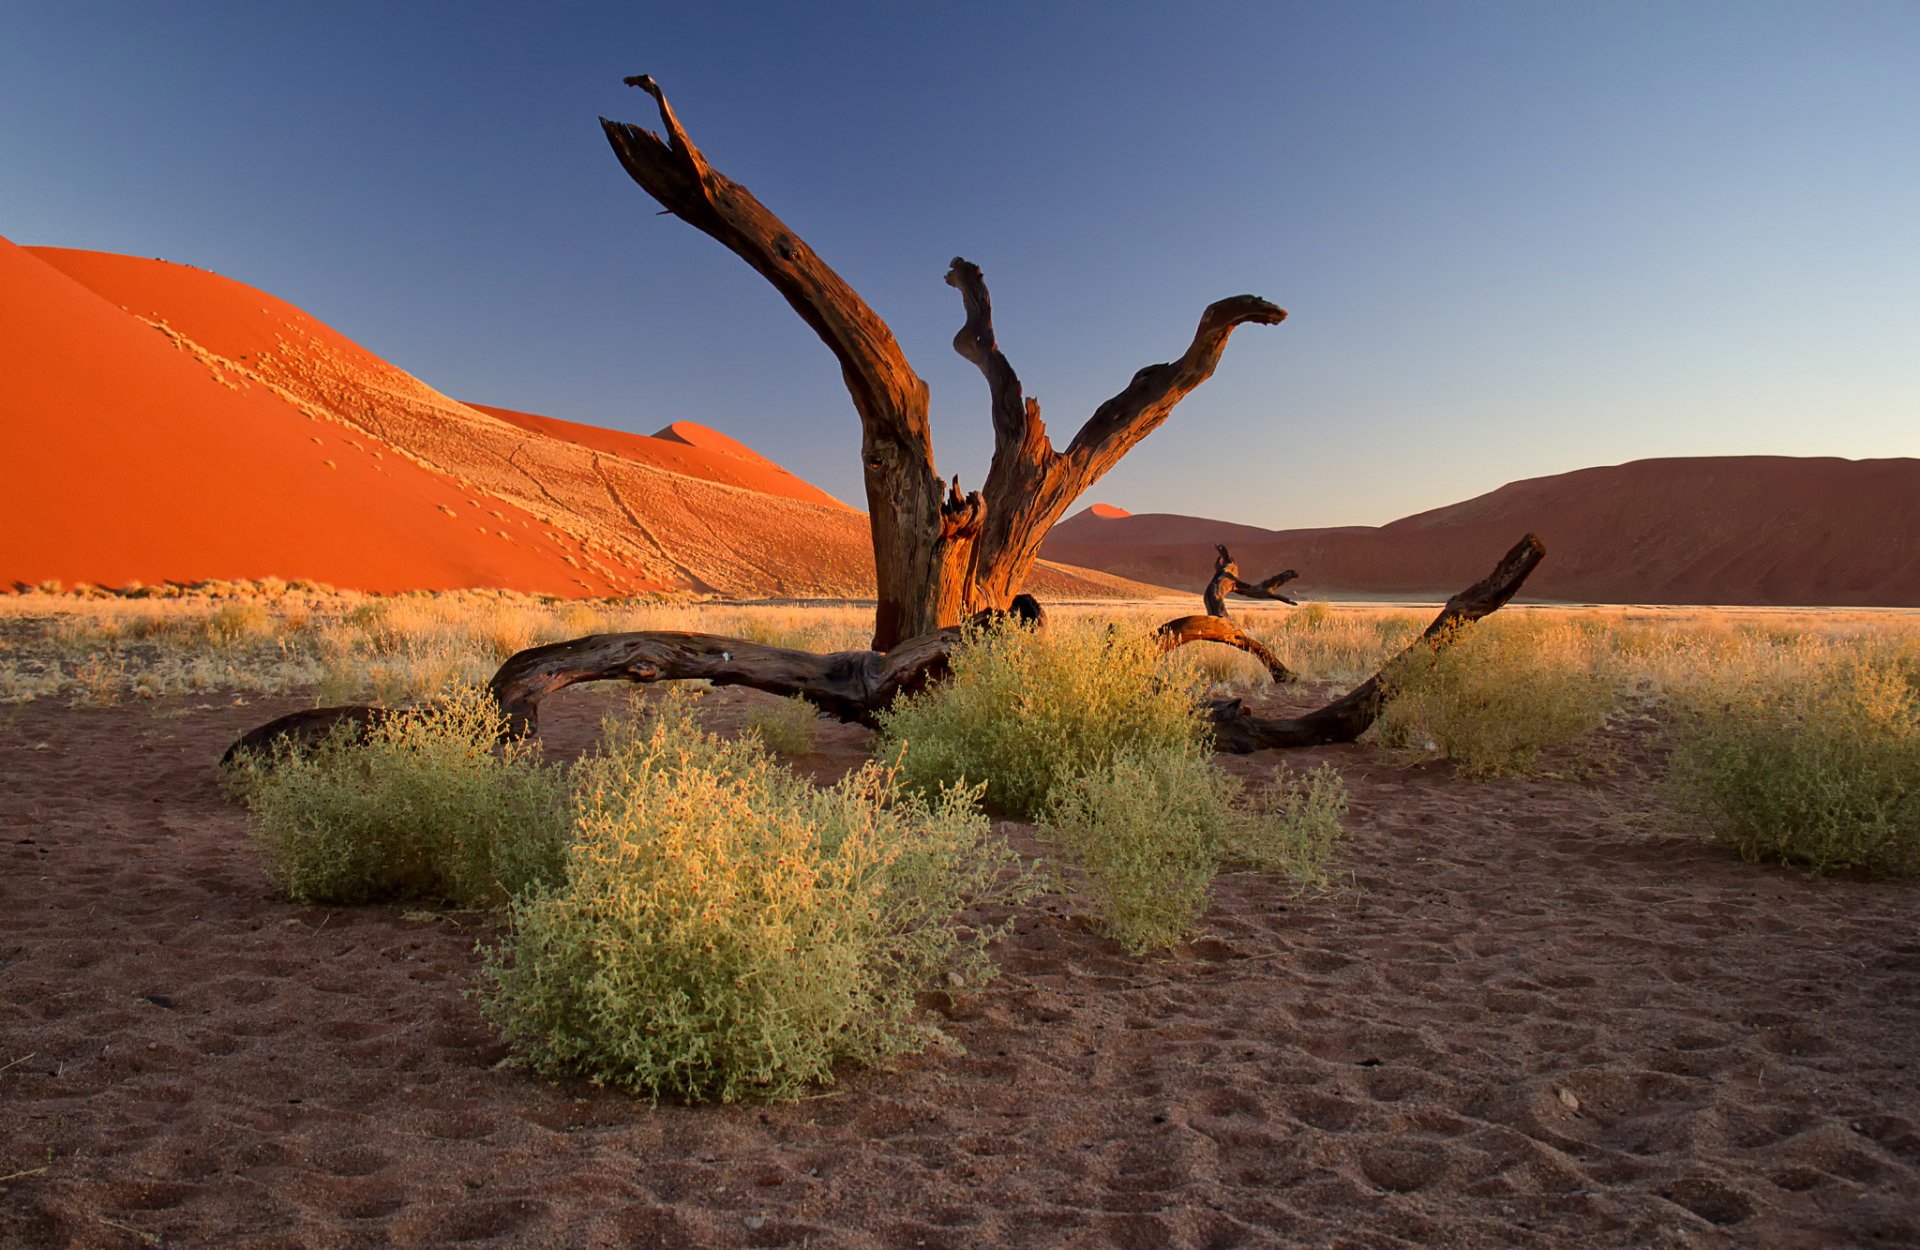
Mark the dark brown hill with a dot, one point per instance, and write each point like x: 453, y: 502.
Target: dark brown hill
x: 1710, y: 529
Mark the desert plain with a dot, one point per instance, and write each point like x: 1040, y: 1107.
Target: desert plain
x: 1529, y: 1011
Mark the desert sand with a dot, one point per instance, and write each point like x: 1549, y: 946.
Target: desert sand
x: 1520, y: 1020
x: 1687, y: 530
x: 165, y: 423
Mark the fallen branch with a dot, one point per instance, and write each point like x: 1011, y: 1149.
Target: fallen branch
x: 1238, y: 730
x: 1217, y: 625
x: 1185, y: 629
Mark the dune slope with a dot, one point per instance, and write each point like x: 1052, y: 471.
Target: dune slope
x: 1722, y: 529
x: 132, y: 456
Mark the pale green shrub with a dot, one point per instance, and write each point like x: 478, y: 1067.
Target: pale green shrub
x: 1150, y: 830
x: 1148, y: 827
x: 1027, y: 710
x: 426, y: 805
x: 1811, y: 760
x: 786, y: 727
x: 1293, y: 826
x: 726, y: 930
x: 1501, y: 694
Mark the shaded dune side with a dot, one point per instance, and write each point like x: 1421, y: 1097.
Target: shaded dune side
x: 1711, y: 529
x: 133, y: 457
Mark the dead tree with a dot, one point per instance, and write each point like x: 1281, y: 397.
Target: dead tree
x: 1217, y: 625
x: 859, y: 685
x: 939, y: 554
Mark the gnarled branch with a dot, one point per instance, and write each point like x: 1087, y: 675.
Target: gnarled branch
x: 1211, y: 628
x: 1226, y: 581
x: 1343, y: 720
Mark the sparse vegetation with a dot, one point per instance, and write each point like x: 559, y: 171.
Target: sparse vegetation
x: 1807, y: 756
x: 1027, y: 711
x: 726, y: 930
x: 426, y: 806
x: 1500, y: 696
x: 786, y: 727
x: 1151, y: 831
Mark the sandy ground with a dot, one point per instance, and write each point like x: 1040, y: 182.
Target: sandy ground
x: 1519, y: 1022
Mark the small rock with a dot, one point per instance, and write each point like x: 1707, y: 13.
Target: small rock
x: 755, y: 1221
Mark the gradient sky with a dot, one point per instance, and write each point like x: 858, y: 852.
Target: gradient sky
x: 1515, y: 238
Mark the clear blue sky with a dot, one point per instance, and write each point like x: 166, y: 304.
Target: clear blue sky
x: 1515, y: 238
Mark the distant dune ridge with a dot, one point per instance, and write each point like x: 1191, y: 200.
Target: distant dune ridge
x: 163, y: 423
x: 1711, y: 529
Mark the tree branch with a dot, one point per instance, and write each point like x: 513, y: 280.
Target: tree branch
x: 1137, y: 411
x: 1236, y: 729
x: 1018, y: 432
x: 1211, y: 628
x: 675, y: 172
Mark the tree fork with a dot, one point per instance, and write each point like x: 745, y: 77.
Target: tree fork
x: 938, y: 554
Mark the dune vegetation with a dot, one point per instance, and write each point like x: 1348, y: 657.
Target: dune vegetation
x: 772, y: 927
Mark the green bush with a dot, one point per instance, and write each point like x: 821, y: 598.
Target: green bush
x: 425, y: 806
x: 1817, y: 764
x: 727, y: 930
x: 1496, y: 698
x: 1027, y: 710
x: 1293, y: 826
x: 1151, y: 830
x: 787, y: 727
x: 1148, y: 828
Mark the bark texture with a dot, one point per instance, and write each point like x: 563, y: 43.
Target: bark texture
x: 940, y: 553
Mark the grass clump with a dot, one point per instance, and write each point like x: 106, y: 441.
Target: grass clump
x: 787, y: 727
x: 1151, y: 831
x: 425, y: 805
x: 1811, y: 760
x: 1498, y: 697
x: 1027, y: 711
x: 726, y: 930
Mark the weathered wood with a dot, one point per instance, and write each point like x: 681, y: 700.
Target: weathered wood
x: 851, y: 685
x: 940, y: 554
x: 921, y: 547
x: 1227, y: 581
x: 300, y: 728
x: 1210, y: 628
x: 1236, y: 729
x: 1029, y: 484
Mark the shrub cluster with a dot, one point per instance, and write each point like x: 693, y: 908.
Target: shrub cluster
x: 1026, y: 711
x: 727, y: 930
x: 426, y: 805
x: 1815, y: 762
x: 1151, y: 830
x: 1497, y: 697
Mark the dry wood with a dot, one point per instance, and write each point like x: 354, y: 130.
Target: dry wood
x: 1185, y: 629
x: 940, y: 554
x: 1227, y: 581
x: 1238, y: 730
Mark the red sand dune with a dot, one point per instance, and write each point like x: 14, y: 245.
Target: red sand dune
x: 172, y: 424
x: 1720, y: 530
x: 130, y: 457
x: 683, y: 447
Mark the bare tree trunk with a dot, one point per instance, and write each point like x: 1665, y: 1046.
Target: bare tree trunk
x: 939, y: 554
x: 1217, y: 625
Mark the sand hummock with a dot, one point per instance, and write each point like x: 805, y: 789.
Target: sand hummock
x: 1520, y: 1021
